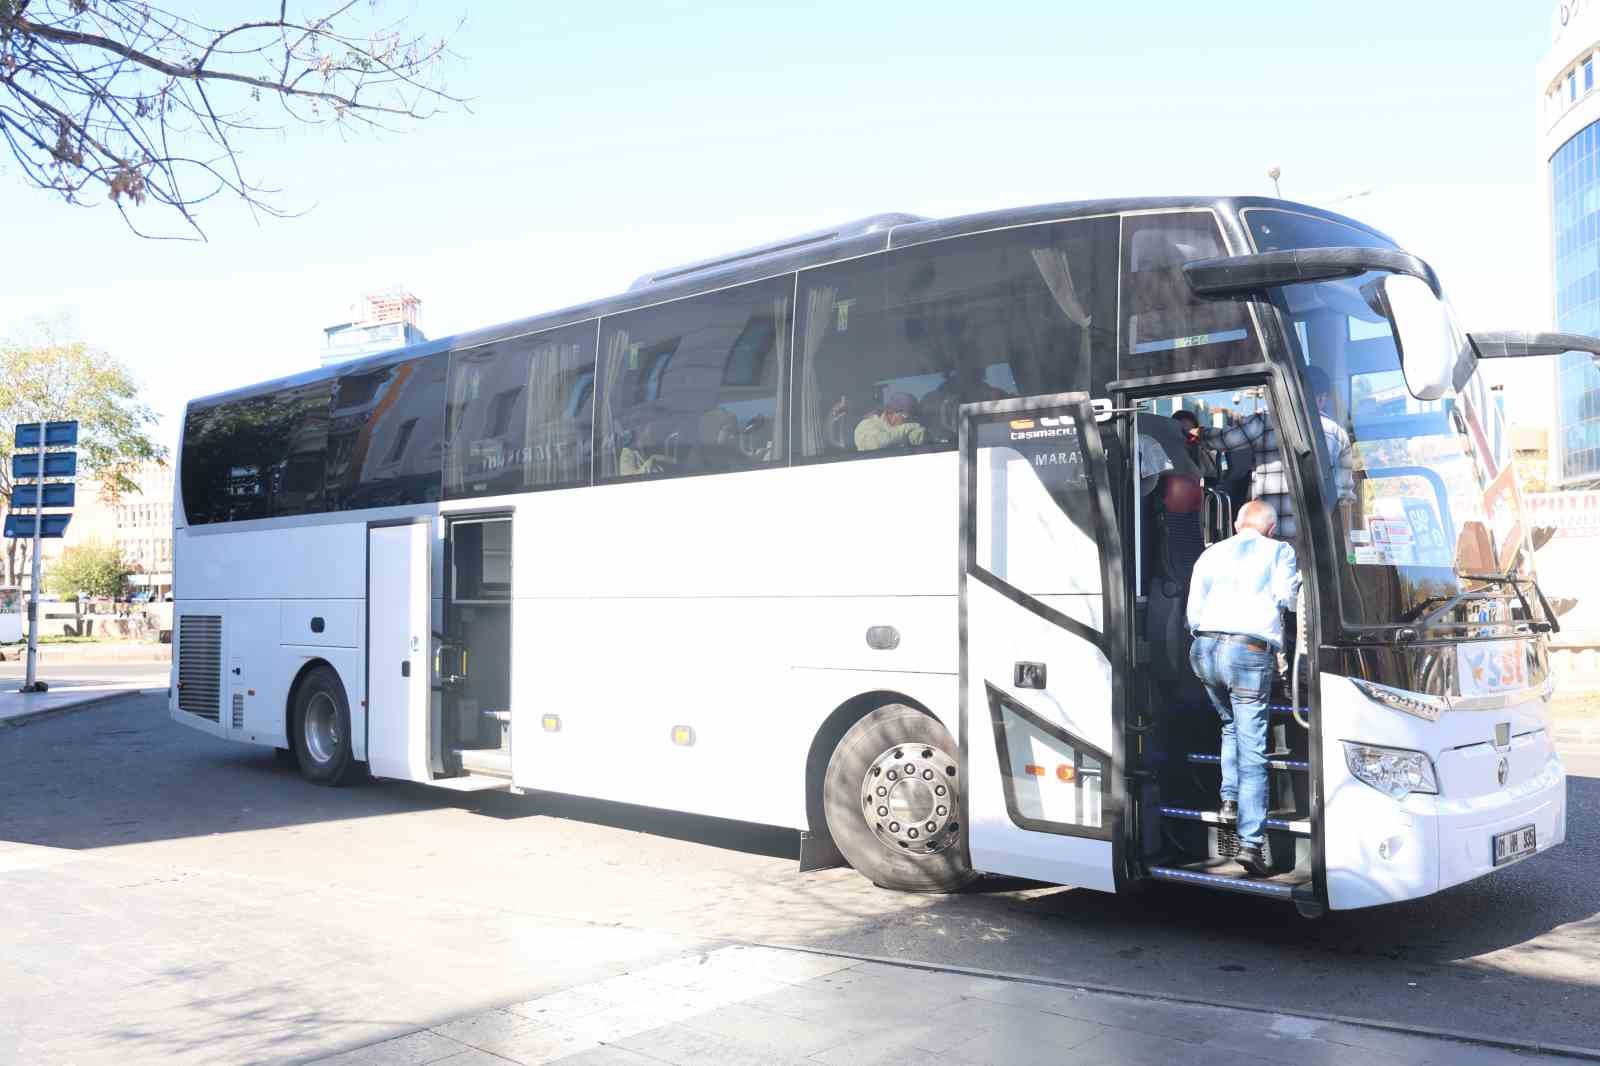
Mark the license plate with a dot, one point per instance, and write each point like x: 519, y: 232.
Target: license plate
x: 1514, y: 845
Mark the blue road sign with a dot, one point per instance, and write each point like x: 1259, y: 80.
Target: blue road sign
x: 64, y: 494
x: 56, y: 434
x: 25, y: 465
x: 21, y: 525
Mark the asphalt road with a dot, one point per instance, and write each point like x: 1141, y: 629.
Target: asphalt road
x: 1516, y: 954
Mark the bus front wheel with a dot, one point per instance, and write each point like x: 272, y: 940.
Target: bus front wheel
x: 321, y: 728
x: 892, y: 797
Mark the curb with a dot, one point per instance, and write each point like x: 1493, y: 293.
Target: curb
x: 16, y: 721
x: 1457, y: 1036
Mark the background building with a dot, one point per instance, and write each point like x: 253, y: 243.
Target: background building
x: 1567, y: 520
x: 140, y: 524
x: 144, y: 531
x: 381, y: 321
x: 1569, y: 151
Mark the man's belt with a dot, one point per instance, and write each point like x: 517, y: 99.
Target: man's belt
x: 1253, y: 643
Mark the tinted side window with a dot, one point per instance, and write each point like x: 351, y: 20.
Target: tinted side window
x: 891, y: 345
x: 386, y: 435
x: 258, y: 457
x: 1272, y: 230
x: 521, y: 413
x: 691, y: 387
x: 1167, y: 329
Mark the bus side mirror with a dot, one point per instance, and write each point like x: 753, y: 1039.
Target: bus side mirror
x: 1424, y: 335
x: 1516, y: 344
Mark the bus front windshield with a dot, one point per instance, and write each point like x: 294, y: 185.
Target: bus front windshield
x: 1429, y: 526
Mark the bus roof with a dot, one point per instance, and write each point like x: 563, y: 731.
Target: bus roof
x: 874, y: 233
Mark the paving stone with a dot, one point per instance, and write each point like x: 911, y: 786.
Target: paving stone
x: 473, y: 1057
x: 1121, y: 1047
x: 752, y: 1025
x: 1015, y: 1036
x: 607, y: 1055
x: 537, y: 1044
x: 475, y: 1029
x: 614, y: 1023
x: 1179, y: 1020
x: 684, y: 1046
x: 413, y: 1049
x: 560, y: 1006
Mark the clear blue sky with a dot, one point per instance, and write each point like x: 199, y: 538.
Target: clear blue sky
x: 606, y: 139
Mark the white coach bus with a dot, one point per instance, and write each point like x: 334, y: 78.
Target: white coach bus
x: 884, y: 534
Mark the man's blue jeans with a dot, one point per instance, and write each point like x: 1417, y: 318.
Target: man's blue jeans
x: 1239, y: 681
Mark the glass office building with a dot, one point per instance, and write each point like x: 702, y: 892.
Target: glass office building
x: 1570, y: 141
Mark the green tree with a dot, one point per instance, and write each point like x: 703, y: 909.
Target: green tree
x: 131, y: 101
x: 92, y: 569
x: 50, y: 380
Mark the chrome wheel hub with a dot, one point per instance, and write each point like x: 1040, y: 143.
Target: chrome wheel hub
x: 322, y: 727
x: 910, y: 798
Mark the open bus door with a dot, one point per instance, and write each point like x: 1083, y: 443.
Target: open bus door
x: 1042, y: 609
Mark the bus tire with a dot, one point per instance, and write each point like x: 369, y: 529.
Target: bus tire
x: 892, y: 801
x: 321, y: 728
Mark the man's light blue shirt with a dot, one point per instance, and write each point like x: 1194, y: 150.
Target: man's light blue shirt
x: 1240, y: 584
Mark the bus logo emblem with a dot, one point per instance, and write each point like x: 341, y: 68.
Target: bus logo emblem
x: 1022, y: 423
x: 1503, y: 770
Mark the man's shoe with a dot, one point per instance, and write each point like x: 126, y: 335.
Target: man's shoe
x: 1229, y: 813
x: 1252, y: 861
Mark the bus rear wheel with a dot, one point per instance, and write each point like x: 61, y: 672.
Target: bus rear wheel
x: 892, y: 797
x: 320, y: 728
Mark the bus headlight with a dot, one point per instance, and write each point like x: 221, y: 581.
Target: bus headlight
x: 1395, y: 772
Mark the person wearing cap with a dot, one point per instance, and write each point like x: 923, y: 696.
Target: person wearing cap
x: 1240, y: 589
x: 890, y: 427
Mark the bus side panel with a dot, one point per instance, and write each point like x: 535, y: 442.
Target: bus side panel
x: 286, y: 596
x: 737, y: 606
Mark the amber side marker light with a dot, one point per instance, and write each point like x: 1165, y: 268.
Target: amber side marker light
x: 683, y: 736
x: 551, y: 723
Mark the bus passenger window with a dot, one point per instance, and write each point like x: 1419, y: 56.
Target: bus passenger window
x: 892, y: 345
x: 520, y: 413
x: 691, y: 386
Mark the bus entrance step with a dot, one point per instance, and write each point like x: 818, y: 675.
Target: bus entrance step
x: 1227, y: 876
x: 1276, y: 762
x: 491, y: 762
x: 1301, y: 827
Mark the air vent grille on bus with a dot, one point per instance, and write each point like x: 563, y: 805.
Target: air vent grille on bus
x: 238, y: 710
x: 200, y: 664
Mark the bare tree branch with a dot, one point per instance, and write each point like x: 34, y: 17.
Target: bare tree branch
x: 128, y: 102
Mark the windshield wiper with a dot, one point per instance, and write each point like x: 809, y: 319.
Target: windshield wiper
x: 1439, y: 605
x: 1549, y: 625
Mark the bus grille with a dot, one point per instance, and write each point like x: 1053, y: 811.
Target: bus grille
x: 200, y: 664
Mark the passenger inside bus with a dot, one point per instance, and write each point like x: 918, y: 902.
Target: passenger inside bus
x: 640, y: 453
x: 890, y: 425
x: 1268, y: 479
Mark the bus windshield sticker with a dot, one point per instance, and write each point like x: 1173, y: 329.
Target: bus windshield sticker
x: 1175, y: 343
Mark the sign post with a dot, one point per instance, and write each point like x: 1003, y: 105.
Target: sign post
x: 41, y: 435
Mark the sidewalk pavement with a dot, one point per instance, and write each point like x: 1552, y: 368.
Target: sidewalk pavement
x: 1576, y: 735
x: 18, y: 708
x: 743, y: 1006
x: 106, y: 651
